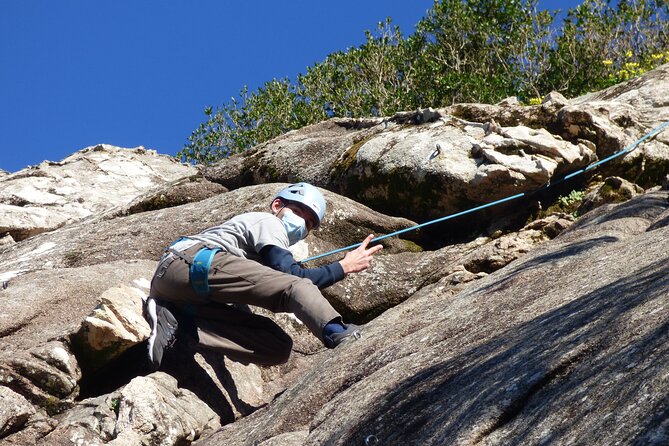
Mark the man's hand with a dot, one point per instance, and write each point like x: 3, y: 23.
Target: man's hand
x: 360, y: 258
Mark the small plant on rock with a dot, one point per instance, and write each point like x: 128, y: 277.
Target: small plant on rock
x: 566, y: 204
x: 115, y: 404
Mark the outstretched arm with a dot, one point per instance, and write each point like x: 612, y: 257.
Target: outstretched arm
x: 282, y: 260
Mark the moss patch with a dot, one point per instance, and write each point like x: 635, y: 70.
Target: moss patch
x: 256, y: 171
x: 410, y: 246
x: 344, y: 163
x: 612, y: 195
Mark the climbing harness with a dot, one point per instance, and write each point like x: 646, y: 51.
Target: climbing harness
x: 198, y: 266
x: 628, y: 149
x: 198, y: 271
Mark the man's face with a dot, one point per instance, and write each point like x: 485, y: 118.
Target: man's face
x: 302, y: 211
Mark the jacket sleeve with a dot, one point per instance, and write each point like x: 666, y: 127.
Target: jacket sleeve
x: 282, y: 260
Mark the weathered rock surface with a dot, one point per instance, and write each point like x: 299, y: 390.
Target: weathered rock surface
x: 184, y: 190
x: 94, y: 180
x: 148, y: 410
x: 420, y: 170
x: 612, y: 190
x: 396, y: 277
x: 609, y: 120
x: 145, y: 235
x: 551, y: 349
x: 433, y: 162
x: 48, y: 375
x: 347, y: 223
x: 633, y: 107
x: 101, y: 323
x: 15, y: 411
x: 44, y: 305
x: 36, y: 322
x: 114, y: 326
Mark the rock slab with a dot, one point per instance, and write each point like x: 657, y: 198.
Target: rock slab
x: 91, y: 181
x: 565, y: 345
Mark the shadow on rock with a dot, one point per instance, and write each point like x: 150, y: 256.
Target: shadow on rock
x: 206, y: 375
x: 116, y: 374
x: 215, y: 387
x: 552, y: 370
x: 553, y: 256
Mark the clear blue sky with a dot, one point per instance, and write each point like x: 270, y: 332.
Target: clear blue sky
x: 136, y: 72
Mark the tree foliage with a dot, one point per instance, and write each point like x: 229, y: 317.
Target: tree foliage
x: 600, y: 45
x: 462, y: 51
x: 487, y: 56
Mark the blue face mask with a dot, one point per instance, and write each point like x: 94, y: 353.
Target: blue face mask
x: 296, y: 227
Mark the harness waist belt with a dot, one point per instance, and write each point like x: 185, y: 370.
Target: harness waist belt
x: 198, y: 271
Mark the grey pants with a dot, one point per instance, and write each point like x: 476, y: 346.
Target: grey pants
x: 240, y: 335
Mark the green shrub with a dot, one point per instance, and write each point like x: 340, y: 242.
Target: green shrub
x: 462, y: 51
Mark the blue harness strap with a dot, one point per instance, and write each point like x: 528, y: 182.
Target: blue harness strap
x: 198, y: 271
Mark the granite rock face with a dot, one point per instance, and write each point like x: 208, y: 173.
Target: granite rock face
x: 396, y: 277
x: 547, y: 328
x: 145, y: 235
x: 115, y: 325
x: 40, y: 312
x: 417, y: 170
x: 89, y: 182
x: 15, y: 411
x: 567, y: 344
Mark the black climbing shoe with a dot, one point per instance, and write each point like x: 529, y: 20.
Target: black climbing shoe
x: 351, y: 333
x: 163, y: 330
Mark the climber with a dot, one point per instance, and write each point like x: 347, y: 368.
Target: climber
x: 206, y: 280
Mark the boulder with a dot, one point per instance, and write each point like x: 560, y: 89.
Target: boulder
x: 47, y: 375
x: 114, y: 326
x: 452, y: 165
x: 43, y: 305
x: 608, y: 121
x: 617, y: 116
x: 6, y: 240
x: 309, y: 152
x: 91, y: 181
x: 15, y: 411
x: 36, y: 428
x: 449, y: 163
x: 184, y: 190
x: 612, y: 190
x: 147, y: 405
x: 467, y: 154
x: 564, y: 344
x: 148, y: 410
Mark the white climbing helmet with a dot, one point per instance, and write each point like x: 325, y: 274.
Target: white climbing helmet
x: 308, y: 195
